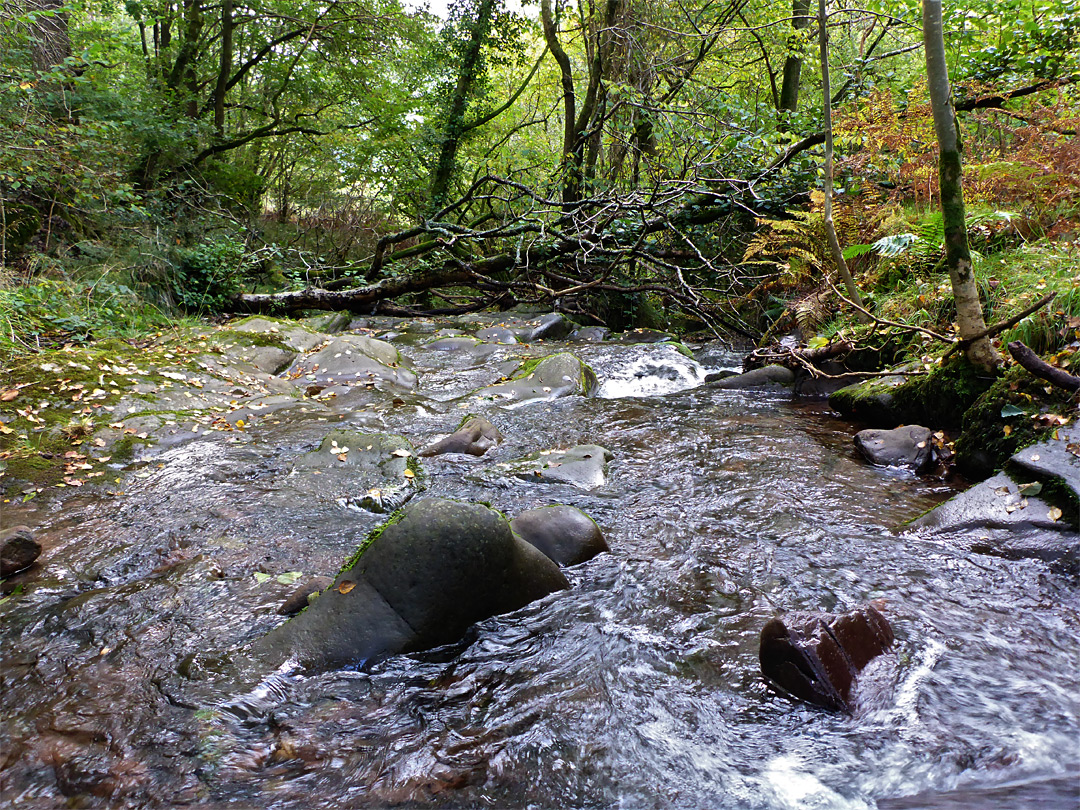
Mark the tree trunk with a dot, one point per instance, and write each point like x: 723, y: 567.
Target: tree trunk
x: 830, y: 228
x: 454, y: 126
x: 789, y: 90
x: 969, y: 314
x: 225, y: 67
x: 566, y: 77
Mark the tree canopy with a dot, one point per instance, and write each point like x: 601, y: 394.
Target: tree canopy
x: 607, y: 157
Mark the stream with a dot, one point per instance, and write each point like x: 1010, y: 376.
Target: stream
x: 637, y: 688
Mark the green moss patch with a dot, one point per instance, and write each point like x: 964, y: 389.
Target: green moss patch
x: 372, y: 536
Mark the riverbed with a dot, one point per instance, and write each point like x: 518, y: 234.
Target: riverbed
x: 637, y: 688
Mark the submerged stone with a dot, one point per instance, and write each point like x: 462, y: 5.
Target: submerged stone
x: 756, y: 378
x: 563, y: 533
x: 497, y: 334
x: 816, y: 658
x: 420, y: 581
x: 590, y: 334
x: 584, y: 466
x: 372, y: 471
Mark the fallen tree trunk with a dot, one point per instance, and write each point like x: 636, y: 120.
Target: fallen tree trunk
x: 361, y: 299
x: 1041, y: 369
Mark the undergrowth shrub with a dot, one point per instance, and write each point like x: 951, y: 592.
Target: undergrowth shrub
x: 208, y: 274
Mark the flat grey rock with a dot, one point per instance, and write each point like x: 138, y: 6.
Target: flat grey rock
x: 995, y: 503
x: 909, y: 447
x: 557, y: 375
x: 454, y: 343
x: 584, y: 466
x: 1056, y: 458
x: 355, y: 359
x: 756, y: 378
x: 590, y: 334
x: 293, y: 336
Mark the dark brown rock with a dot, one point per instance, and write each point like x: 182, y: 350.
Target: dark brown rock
x: 475, y: 436
x: 817, y: 658
x: 18, y: 550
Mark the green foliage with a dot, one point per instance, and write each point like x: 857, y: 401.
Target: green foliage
x: 209, y: 274
x: 48, y: 311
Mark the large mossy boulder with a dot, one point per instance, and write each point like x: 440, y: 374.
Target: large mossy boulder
x: 938, y: 399
x: 1007, y: 418
x: 557, y: 375
x: 419, y: 581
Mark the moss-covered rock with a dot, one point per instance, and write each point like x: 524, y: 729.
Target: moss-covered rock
x: 938, y: 399
x: 544, y: 378
x: 1004, y: 419
x: 435, y: 568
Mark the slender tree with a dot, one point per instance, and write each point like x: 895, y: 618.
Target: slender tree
x: 826, y: 101
x: 969, y: 314
x: 789, y: 90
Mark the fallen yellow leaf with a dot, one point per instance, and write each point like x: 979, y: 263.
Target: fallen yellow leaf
x: 346, y: 586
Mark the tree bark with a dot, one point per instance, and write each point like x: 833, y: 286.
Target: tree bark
x: 1040, y: 368
x: 225, y: 67
x: 789, y: 90
x: 830, y: 228
x: 51, y: 44
x: 356, y: 299
x: 969, y: 314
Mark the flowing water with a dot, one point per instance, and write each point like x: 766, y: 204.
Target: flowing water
x: 637, y: 688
